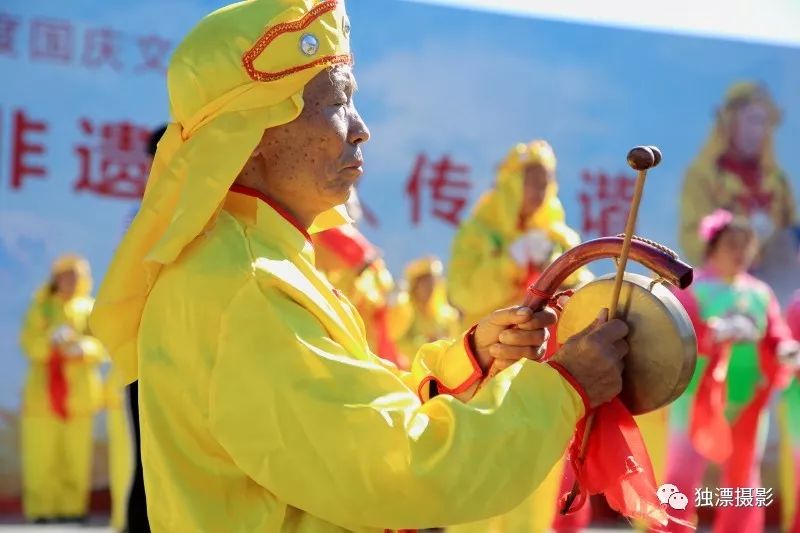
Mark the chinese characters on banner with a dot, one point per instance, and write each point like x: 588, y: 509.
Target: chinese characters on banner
x: 111, y: 160
x: 604, y: 202
x: 733, y: 497
x: 63, y: 42
x: 443, y: 184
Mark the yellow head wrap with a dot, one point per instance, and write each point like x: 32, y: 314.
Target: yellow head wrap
x: 500, y: 208
x: 739, y: 95
x: 240, y: 71
x: 79, y: 265
x: 421, y: 267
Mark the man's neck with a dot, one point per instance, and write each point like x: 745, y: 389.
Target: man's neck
x: 303, y: 219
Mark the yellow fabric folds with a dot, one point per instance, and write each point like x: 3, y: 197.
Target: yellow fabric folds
x: 280, y: 417
x: 219, y: 115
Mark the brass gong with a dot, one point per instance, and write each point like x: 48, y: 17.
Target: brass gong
x: 663, y: 345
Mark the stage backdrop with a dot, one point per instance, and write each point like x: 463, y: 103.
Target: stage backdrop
x: 445, y: 92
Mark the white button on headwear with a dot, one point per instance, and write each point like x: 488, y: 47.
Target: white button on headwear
x: 309, y: 44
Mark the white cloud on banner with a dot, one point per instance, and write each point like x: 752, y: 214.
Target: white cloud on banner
x: 767, y: 21
x: 550, y: 99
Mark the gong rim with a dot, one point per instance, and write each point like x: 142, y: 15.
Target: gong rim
x: 663, y: 345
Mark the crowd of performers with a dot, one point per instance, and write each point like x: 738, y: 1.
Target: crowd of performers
x: 736, y: 201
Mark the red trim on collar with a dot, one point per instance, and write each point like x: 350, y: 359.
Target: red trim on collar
x: 247, y: 191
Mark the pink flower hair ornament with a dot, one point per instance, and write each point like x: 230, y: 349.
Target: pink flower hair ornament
x: 712, y: 224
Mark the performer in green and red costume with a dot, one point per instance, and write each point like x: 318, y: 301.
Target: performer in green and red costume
x: 745, y: 351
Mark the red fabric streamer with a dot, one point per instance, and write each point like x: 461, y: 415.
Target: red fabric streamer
x: 57, y: 383
x: 616, y: 463
x: 796, y: 527
x: 709, y: 430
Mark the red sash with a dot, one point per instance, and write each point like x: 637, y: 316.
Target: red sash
x: 57, y: 383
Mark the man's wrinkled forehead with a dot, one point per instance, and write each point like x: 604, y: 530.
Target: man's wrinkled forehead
x: 342, y: 78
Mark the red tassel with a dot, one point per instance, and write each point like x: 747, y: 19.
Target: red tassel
x: 57, y: 383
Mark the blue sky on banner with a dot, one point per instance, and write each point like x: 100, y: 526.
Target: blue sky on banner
x: 433, y: 80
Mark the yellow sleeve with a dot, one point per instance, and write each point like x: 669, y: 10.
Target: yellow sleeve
x: 35, y: 335
x: 481, y: 275
x: 348, y: 441
x: 696, y: 202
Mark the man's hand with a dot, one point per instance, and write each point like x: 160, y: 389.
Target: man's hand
x: 594, y: 358
x: 496, y: 338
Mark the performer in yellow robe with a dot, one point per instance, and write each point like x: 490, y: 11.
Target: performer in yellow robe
x: 62, y: 393
x: 422, y: 313
x: 515, y: 230
x: 737, y: 171
x: 261, y: 405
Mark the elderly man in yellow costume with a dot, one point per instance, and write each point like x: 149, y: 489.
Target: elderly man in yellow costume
x: 261, y: 405
x: 421, y: 313
x: 515, y: 230
x: 736, y: 170
x: 62, y: 393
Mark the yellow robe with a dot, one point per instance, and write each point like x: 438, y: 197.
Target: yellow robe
x: 262, y: 408
x: 56, y: 453
x: 120, y: 449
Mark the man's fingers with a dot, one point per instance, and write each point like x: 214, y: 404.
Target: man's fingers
x: 511, y: 316
x: 504, y: 352
x: 540, y: 319
x: 611, y: 331
x: 520, y: 337
x: 621, y: 348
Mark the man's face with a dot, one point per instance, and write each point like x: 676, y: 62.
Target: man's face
x: 735, y: 251
x: 66, y: 283
x: 536, y: 178
x: 422, y: 289
x: 311, y: 163
x: 750, y: 128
